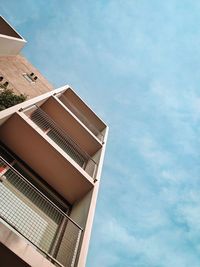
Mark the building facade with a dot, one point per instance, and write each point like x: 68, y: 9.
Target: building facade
x: 52, y: 148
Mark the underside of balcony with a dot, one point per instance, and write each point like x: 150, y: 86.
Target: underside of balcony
x: 74, y: 103
x: 48, y: 162
x: 10, y: 259
x: 68, y: 122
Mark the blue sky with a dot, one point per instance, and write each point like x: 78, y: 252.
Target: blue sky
x: 137, y: 64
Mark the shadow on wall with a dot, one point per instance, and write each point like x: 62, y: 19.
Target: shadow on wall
x: 9, y: 258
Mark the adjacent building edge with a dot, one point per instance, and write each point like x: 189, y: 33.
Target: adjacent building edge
x: 91, y: 213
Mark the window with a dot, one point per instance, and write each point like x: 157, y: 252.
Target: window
x: 32, y: 78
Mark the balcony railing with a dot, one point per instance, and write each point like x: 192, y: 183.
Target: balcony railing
x: 80, y: 116
x: 60, y: 137
x: 37, y: 218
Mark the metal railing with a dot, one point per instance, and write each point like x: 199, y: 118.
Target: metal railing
x: 80, y: 116
x: 37, y: 218
x: 60, y: 137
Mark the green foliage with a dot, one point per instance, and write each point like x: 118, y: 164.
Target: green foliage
x: 8, y: 98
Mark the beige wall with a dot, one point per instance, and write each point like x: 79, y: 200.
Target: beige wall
x: 12, y: 69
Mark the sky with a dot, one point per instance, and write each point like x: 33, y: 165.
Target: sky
x: 137, y: 64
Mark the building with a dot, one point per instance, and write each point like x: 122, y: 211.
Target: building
x: 16, y: 72
x: 52, y: 149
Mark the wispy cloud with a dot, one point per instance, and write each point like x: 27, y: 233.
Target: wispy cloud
x: 137, y: 63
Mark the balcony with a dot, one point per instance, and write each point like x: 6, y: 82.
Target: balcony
x: 34, y: 145
x: 82, y: 112
x: 66, y: 120
x: 63, y: 140
x: 29, y: 212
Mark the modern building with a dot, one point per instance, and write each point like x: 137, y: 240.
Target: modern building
x: 52, y: 148
x: 16, y: 72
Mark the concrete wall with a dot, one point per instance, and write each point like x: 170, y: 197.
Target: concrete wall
x: 10, y: 46
x: 12, y: 69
